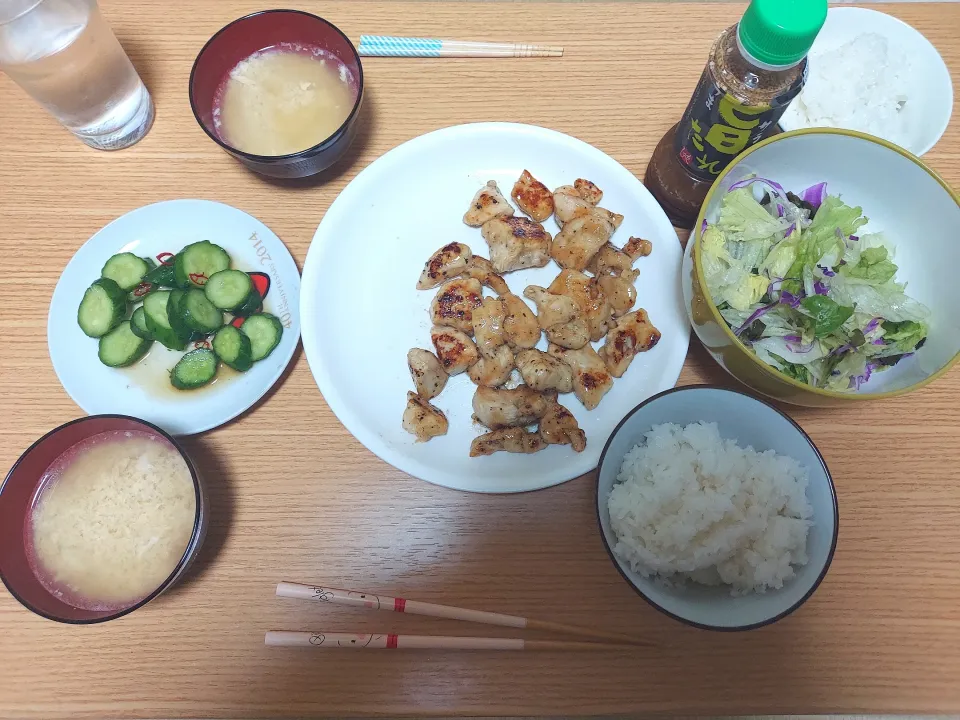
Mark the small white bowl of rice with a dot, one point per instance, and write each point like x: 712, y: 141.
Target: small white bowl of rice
x: 717, y: 508
x: 873, y: 73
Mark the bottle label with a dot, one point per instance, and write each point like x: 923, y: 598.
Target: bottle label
x: 717, y: 127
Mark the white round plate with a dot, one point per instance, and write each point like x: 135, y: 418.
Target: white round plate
x: 930, y: 102
x: 362, y: 311
x: 144, y: 390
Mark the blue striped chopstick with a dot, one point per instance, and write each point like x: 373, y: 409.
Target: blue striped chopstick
x: 388, y: 46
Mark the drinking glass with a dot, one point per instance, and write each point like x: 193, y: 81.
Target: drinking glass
x: 64, y: 54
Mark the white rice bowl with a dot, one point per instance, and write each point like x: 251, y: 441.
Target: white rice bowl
x: 689, y: 505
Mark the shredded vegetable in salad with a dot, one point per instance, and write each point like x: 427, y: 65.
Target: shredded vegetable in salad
x: 799, y: 286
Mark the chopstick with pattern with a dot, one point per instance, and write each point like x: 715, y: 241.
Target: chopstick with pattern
x: 359, y: 598
x: 384, y: 641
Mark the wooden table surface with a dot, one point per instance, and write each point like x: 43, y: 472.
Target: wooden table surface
x: 296, y: 497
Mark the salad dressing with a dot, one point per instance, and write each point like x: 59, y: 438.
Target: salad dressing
x: 754, y: 70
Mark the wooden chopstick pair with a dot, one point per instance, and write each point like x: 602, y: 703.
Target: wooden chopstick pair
x: 370, y: 601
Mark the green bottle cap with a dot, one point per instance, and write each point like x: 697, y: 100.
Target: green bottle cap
x: 781, y: 32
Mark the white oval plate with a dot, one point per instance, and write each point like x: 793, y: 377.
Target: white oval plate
x: 362, y: 311
x: 144, y: 390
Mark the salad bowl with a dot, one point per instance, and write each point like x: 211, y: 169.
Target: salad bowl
x: 848, y: 308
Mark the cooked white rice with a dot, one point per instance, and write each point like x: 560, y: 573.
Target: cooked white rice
x: 688, y: 504
x: 862, y: 85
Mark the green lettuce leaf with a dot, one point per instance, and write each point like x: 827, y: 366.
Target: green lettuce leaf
x: 742, y: 216
x: 874, y: 267
x: 904, y: 335
x: 820, y: 243
x: 827, y: 315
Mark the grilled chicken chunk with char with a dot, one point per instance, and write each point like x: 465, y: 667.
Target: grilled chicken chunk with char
x: 520, y: 324
x: 633, y: 333
x: 559, y: 316
x: 532, y: 197
x: 516, y: 243
x: 455, y: 350
x: 488, y: 203
x: 587, y: 293
x: 455, y: 302
x: 620, y: 291
x: 514, y: 440
x: 422, y: 419
x: 588, y: 191
x: 580, y: 239
x: 498, y: 408
x: 428, y: 374
x: 488, y: 330
x: 591, y: 380
x: 448, y: 262
x: 492, y: 370
x: 544, y: 372
x: 559, y: 427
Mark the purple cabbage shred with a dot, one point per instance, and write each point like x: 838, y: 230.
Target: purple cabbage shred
x: 757, y: 313
x: 872, y: 325
x: 776, y: 187
x: 819, y: 288
x: 788, y: 298
x: 827, y: 272
x: 815, y: 194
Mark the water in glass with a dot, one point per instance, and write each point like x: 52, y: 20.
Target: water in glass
x: 64, y: 54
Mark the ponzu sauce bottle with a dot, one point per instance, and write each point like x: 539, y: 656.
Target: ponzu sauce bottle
x: 755, y: 69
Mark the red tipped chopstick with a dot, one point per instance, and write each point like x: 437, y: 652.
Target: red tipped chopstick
x: 384, y: 641
x: 359, y: 598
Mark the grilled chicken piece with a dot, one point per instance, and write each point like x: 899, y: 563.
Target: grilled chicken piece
x: 638, y: 247
x: 488, y: 203
x: 520, y: 324
x: 544, y: 372
x: 510, y: 408
x: 569, y: 204
x: 610, y: 260
x: 591, y: 381
x: 455, y: 349
x: 455, y: 302
x: 488, y: 329
x: 493, y: 370
x: 447, y: 262
x: 515, y: 440
x: 559, y: 316
x: 580, y: 239
x: 588, y: 191
x: 428, y: 374
x: 422, y: 419
x: 532, y: 197
x: 633, y: 333
x: 620, y: 291
x: 559, y: 427
x: 481, y: 269
x: 586, y: 292
x: 574, y: 334
x: 551, y: 309
x: 516, y: 243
